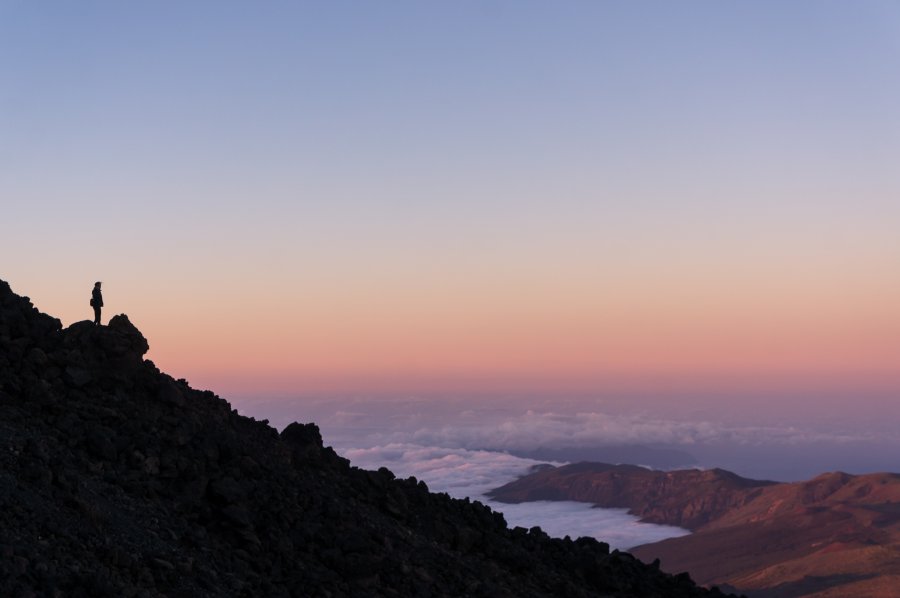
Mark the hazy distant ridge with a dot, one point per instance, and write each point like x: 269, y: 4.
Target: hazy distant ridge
x: 836, y: 532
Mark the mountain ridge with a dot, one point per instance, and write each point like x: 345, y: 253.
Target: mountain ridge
x: 834, y: 535
x: 119, y: 480
x: 655, y: 457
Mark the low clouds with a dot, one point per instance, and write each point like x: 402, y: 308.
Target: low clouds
x: 524, y: 425
x: 533, y: 429
x: 466, y: 447
x: 508, y: 430
x: 463, y: 473
x: 458, y: 472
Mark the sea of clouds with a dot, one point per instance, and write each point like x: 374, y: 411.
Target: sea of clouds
x: 464, y: 473
x: 465, y: 447
x: 512, y: 427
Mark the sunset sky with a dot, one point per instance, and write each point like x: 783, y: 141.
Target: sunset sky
x: 293, y: 198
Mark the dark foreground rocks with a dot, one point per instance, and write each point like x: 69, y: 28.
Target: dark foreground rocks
x: 117, y: 480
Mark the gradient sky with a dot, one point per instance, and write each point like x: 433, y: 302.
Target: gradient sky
x: 292, y: 198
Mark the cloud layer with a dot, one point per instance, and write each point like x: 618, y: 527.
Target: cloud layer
x: 511, y: 429
x: 464, y: 473
x: 711, y: 434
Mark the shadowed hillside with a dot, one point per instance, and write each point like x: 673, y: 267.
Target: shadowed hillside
x: 835, y: 535
x: 117, y: 480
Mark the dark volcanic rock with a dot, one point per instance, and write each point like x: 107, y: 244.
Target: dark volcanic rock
x: 117, y: 480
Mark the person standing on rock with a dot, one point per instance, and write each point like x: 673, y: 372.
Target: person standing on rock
x: 96, y: 302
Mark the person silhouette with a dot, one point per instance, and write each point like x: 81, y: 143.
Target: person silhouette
x: 96, y: 302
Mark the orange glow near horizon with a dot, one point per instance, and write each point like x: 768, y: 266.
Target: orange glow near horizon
x: 555, y: 316
x: 575, y: 336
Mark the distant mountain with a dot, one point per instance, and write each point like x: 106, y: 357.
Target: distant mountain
x: 835, y: 535
x: 117, y: 480
x: 656, y: 457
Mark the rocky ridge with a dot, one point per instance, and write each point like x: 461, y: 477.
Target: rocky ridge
x: 118, y: 480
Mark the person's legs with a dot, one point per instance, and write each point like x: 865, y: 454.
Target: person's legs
x: 97, y: 316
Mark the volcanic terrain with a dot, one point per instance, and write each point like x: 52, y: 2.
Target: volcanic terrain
x: 834, y: 535
x: 118, y: 480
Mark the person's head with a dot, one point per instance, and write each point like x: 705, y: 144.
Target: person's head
x: 97, y: 284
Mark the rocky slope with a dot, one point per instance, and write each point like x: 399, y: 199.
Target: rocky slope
x: 117, y: 480
x: 835, y: 535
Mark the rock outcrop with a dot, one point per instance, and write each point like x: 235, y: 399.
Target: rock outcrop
x: 834, y: 535
x: 118, y: 480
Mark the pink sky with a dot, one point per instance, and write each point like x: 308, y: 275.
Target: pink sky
x: 592, y: 199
